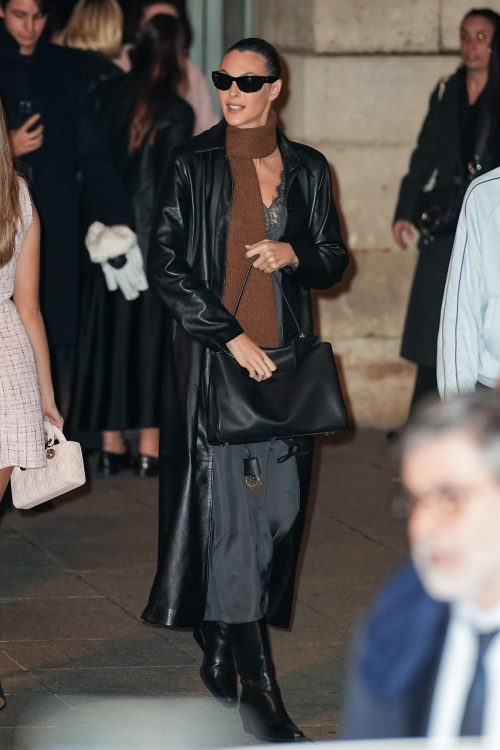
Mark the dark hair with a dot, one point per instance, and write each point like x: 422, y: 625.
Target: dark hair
x: 133, y: 19
x: 44, y: 6
x: 477, y: 414
x: 492, y: 16
x: 262, y: 48
x: 157, y: 69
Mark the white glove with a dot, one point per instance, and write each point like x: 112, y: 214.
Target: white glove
x: 104, y: 242
x: 131, y: 278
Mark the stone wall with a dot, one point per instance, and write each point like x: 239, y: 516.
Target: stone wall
x: 359, y: 74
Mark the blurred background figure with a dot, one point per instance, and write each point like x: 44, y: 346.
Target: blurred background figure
x: 427, y: 662
x: 53, y: 133
x: 196, y: 91
x: 121, y: 341
x: 96, y: 28
x: 457, y: 142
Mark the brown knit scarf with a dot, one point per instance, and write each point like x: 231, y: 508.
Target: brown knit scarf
x: 257, y: 311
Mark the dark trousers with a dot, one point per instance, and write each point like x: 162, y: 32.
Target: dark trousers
x: 425, y: 385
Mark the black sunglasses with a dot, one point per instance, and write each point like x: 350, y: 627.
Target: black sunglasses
x: 246, y: 84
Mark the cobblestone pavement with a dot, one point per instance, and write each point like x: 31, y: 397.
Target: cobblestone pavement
x: 76, y: 660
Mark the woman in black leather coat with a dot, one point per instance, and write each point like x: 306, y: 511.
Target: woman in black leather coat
x: 121, y: 342
x: 187, y: 270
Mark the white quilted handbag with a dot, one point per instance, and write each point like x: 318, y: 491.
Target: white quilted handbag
x: 64, y: 472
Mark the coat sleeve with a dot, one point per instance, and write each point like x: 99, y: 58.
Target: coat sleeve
x: 323, y: 255
x: 423, y: 160
x: 461, y: 313
x: 186, y: 297
x: 102, y: 185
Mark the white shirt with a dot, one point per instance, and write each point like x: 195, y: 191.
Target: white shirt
x: 469, y: 335
x: 456, y: 673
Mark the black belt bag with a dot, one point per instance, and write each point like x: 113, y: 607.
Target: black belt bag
x: 302, y: 397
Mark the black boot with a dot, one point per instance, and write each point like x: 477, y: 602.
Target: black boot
x: 2, y: 698
x: 114, y: 463
x: 218, y: 670
x: 261, y: 705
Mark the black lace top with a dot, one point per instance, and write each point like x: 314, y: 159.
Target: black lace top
x: 276, y: 212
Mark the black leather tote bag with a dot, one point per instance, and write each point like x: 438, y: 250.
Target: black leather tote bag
x: 302, y: 397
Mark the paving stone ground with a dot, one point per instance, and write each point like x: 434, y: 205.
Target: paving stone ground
x: 76, y: 661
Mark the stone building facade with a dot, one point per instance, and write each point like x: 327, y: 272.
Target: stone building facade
x: 359, y: 74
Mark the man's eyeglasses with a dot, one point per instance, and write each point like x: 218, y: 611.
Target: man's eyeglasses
x: 246, y: 84
x: 447, y: 500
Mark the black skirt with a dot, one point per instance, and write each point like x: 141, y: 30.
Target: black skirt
x: 118, y: 372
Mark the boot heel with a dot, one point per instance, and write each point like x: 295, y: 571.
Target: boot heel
x: 248, y: 725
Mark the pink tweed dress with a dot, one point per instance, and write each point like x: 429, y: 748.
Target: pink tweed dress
x: 21, y: 421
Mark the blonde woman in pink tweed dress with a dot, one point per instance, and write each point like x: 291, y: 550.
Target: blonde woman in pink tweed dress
x: 26, y: 393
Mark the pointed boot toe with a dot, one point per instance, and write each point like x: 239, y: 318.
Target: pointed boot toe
x: 262, y: 710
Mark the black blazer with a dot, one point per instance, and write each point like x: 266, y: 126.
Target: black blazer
x: 186, y: 269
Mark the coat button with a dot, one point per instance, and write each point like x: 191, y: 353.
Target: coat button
x: 290, y: 208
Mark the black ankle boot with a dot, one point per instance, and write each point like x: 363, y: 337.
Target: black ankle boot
x: 113, y: 463
x: 147, y: 466
x: 261, y: 705
x: 218, y: 670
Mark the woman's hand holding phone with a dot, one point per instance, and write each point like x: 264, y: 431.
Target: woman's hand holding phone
x: 23, y: 141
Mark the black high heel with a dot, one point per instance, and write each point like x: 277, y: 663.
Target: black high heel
x: 262, y: 709
x: 147, y: 466
x: 3, y: 702
x: 218, y: 670
x: 113, y: 463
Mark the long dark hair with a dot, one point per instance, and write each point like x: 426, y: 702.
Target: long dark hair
x: 262, y: 48
x: 134, y: 16
x: 157, y: 66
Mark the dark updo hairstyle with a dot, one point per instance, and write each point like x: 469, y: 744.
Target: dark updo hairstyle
x: 492, y: 16
x: 262, y: 48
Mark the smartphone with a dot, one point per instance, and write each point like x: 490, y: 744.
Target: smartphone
x: 28, y: 108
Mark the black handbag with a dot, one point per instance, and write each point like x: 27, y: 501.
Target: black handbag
x: 302, y: 397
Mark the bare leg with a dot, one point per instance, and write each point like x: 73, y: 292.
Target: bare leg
x: 112, y: 441
x: 4, y: 479
x: 148, y: 441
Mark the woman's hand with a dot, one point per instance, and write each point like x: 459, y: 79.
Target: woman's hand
x: 51, y: 414
x: 251, y: 357
x: 399, y: 230
x: 22, y: 141
x: 272, y: 255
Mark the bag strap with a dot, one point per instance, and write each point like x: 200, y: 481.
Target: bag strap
x: 53, y: 433
x: 278, y: 282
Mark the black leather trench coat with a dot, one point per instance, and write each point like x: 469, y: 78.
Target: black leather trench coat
x: 186, y: 269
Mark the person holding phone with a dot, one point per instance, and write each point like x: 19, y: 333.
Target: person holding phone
x: 60, y: 150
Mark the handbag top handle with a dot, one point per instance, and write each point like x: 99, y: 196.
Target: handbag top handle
x: 278, y: 282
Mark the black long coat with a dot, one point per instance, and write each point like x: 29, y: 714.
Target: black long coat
x: 437, y: 153
x: 186, y: 268
x: 73, y: 145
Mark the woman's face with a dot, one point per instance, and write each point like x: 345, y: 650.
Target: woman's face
x: 476, y: 36
x: 246, y: 110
